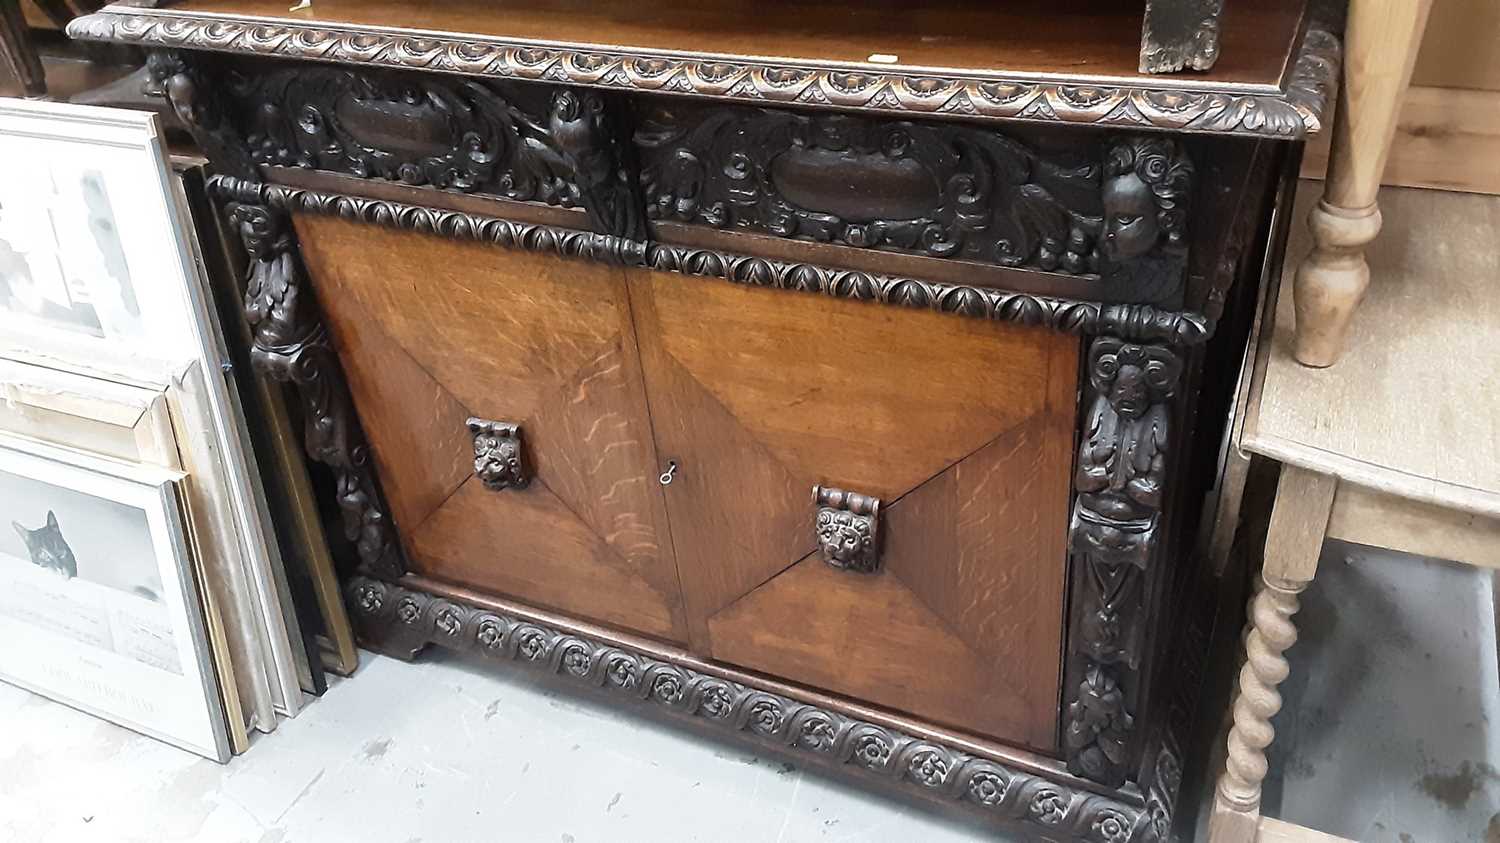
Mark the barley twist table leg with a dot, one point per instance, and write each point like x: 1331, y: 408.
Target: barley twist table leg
x: 1265, y: 668
x: 1299, y: 519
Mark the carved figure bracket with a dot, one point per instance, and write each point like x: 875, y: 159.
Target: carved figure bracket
x: 1119, y: 484
x: 848, y: 529
x: 499, y: 459
x: 290, y: 344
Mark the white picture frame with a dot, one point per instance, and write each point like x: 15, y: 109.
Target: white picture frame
x: 99, y: 605
x: 91, y: 255
x: 176, y: 340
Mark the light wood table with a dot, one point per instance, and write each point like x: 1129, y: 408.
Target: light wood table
x: 1380, y: 48
x: 1396, y: 446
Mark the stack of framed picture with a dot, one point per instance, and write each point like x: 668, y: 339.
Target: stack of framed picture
x: 154, y: 571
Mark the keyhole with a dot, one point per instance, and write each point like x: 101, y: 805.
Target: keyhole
x: 666, y: 476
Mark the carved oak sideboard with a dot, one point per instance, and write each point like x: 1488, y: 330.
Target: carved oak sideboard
x: 860, y: 402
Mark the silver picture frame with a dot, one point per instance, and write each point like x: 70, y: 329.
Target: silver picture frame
x: 100, y: 607
x: 106, y: 211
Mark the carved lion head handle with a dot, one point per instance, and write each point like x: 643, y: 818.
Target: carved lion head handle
x: 848, y: 529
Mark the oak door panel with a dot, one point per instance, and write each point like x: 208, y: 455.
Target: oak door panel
x: 962, y: 427
x: 433, y: 331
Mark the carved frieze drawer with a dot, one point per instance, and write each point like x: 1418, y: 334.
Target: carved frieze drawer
x: 1111, y: 211
x: 1089, y: 204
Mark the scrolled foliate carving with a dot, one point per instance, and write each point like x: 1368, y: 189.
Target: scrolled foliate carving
x: 391, y: 615
x: 455, y: 134
x: 585, y: 132
x: 290, y: 344
x: 465, y: 135
x: 1119, y: 484
x: 1180, y: 33
x: 1097, y: 734
x: 941, y: 189
x: 848, y: 529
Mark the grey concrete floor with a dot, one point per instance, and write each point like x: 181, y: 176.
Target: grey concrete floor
x: 1390, y: 729
x: 445, y: 751
x: 1390, y: 732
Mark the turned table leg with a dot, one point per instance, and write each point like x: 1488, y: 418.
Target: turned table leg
x: 1380, y: 46
x: 1299, y: 520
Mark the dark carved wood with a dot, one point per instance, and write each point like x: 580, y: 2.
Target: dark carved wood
x: 1179, y: 34
x: 848, y: 529
x: 588, y: 134
x: 1121, y: 475
x: 1116, y: 209
x: 403, y: 620
x: 499, y: 458
x: 292, y: 345
x: 425, y: 120
x: 455, y: 134
x: 21, y: 61
x: 942, y: 189
x: 481, y: 136
x: 1292, y: 113
x: 1142, y: 322
x: 290, y: 341
x: 197, y: 97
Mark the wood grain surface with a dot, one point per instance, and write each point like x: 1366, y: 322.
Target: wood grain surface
x: 962, y: 427
x: 1064, y: 37
x: 432, y: 331
x: 1409, y: 409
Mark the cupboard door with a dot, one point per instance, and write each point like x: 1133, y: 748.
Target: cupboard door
x: 434, y: 331
x: 963, y: 430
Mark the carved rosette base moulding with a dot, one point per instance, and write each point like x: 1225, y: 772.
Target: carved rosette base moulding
x: 402, y: 621
x: 1292, y: 112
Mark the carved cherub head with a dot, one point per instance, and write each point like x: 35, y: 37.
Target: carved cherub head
x: 845, y: 539
x: 260, y: 230
x: 167, y: 76
x: 1146, y: 184
x: 1132, y: 377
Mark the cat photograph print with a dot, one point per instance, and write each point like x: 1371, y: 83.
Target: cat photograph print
x: 99, y: 607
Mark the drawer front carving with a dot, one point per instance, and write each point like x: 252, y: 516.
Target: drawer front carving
x: 502, y: 395
x: 961, y: 432
x: 554, y: 145
x: 1093, y: 205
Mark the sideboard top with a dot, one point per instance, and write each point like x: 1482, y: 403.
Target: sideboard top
x: 1070, y: 61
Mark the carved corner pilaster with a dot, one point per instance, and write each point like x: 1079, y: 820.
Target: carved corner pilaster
x: 1119, y: 486
x: 291, y: 345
